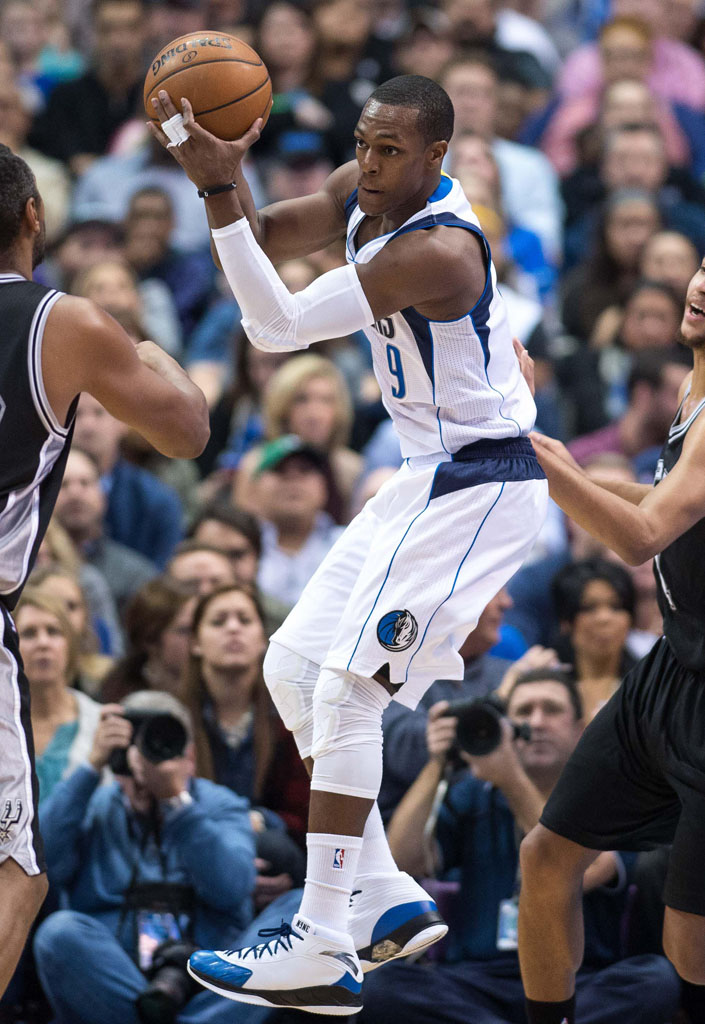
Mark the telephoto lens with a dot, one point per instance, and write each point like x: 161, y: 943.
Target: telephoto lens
x: 479, y: 729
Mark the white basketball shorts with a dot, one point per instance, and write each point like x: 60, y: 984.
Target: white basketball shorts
x: 407, y: 581
x: 19, y: 831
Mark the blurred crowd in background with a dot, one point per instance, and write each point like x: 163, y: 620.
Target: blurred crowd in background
x: 580, y: 141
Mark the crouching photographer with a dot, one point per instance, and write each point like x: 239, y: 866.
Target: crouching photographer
x: 152, y: 864
x: 469, y: 824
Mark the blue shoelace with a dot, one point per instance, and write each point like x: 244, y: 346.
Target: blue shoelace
x: 279, y: 936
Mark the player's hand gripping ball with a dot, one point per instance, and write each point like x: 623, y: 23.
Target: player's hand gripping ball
x: 223, y: 78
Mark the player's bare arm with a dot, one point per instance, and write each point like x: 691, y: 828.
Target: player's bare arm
x: 635, y: 532
x: 86, y: 350
x: 630, y: 490
x: 283, y: 230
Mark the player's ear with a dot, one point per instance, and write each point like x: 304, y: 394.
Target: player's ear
x: 436, y: 153
x: 32, y: 212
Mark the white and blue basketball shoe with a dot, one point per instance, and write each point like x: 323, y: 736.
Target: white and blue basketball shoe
x: 392, y: 916
x: 302, y: 966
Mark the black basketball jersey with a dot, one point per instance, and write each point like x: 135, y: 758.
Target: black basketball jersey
x: 679, y: 571
x: 33, y: 444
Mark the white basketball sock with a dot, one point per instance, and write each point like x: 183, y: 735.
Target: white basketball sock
x: 330, y: 872
x: 375, y: 857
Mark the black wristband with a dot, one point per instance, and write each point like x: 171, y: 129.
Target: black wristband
x: 214, y: 190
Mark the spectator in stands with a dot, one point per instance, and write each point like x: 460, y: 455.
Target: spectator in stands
x: 65, y: 586
x: 80, y: 509
x: 625, y: 53
x: 122, y: 852
x: 200, y: 567
x: 64, y: 720
x: 595, y: 601
x: 78, y: 247
x: 634, y: 157
x: 52, y: 177
x: 149, y: 227
x: 58, y: 550
x: 501, y: 30
x: 405, y: 731
x: 672, y: 258
x: 237, y: 535
x: 479, y: 821
x: 234, y: 532
x: 157, y: 628
x: 82, y: 116
x: 113, y: 285
x: 141, y: 512
x: 677, y: 72
x: 426, y: 45
x: 293, y: 488
x: 652, y: 402
x: 308, y: 397
x: 530, y: 192
x: 610, y: 265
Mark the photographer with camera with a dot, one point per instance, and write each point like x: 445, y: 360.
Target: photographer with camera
x: 153, y: 864
x: 511, y: 759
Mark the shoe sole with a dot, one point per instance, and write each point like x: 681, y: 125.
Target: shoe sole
x: 297, y: 999
x: 412, y: 937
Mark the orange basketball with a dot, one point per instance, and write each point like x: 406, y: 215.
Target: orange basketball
x: 223, y: 78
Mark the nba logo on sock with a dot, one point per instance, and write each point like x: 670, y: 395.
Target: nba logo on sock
x: 338, y: 858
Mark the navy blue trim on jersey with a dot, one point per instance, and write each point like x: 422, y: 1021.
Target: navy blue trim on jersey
x: 485, y: 462
x: 421, y: 330
x: 439, y: 220
x: 462, y: 563
x: 350, y: 204
x: 389, y: 569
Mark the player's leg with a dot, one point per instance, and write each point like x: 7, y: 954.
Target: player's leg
x: 23, y: 883
x: 551, y: 935
x: 612, y: 795
x: 684, y: 892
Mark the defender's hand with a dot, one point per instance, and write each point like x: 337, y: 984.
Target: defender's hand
x: 526, y: 364
x: 544, y: 445
x: 206, y: 159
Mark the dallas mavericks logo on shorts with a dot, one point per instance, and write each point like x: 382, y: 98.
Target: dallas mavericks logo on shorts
x: 397, y: 630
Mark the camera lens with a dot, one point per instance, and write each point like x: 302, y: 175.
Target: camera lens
x: 161, y: 737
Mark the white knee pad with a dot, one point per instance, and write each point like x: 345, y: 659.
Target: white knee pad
x: 347, y: 734
x: 291, y: 680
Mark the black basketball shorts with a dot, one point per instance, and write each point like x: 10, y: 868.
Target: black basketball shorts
x: 19, y: 830
x: 637, y: 776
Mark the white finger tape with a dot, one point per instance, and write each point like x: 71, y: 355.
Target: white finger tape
x: 175, y: 131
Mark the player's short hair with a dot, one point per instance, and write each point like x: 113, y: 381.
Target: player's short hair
x: 17, y: 185
x: 551, y: 675
x: 436, y: 115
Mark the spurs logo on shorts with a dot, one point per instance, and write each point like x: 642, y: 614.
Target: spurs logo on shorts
x: 397, y: 630
x: 11, y: 815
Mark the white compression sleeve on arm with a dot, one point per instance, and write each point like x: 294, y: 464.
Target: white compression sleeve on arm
x: 274, y: 319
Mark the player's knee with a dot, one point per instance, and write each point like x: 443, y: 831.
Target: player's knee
x: 291, y: 680
x: 347, y: 712
x: 28, y: 891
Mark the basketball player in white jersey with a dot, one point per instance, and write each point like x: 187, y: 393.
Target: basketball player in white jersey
x: 389, y: 607
x: 54, y: 346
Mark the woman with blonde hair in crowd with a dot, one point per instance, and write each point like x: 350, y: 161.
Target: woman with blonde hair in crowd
x: 57, y: 549
x: 64, y: 720
x: 307, y: 396
x: 64, y: 585
x: 157, y: 627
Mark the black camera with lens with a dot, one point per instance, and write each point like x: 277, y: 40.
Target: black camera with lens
x: 170, y: 985
x: 479, y: 730
x: 158, y: 735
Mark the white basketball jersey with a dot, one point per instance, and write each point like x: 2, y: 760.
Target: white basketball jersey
x: 449, y: 383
